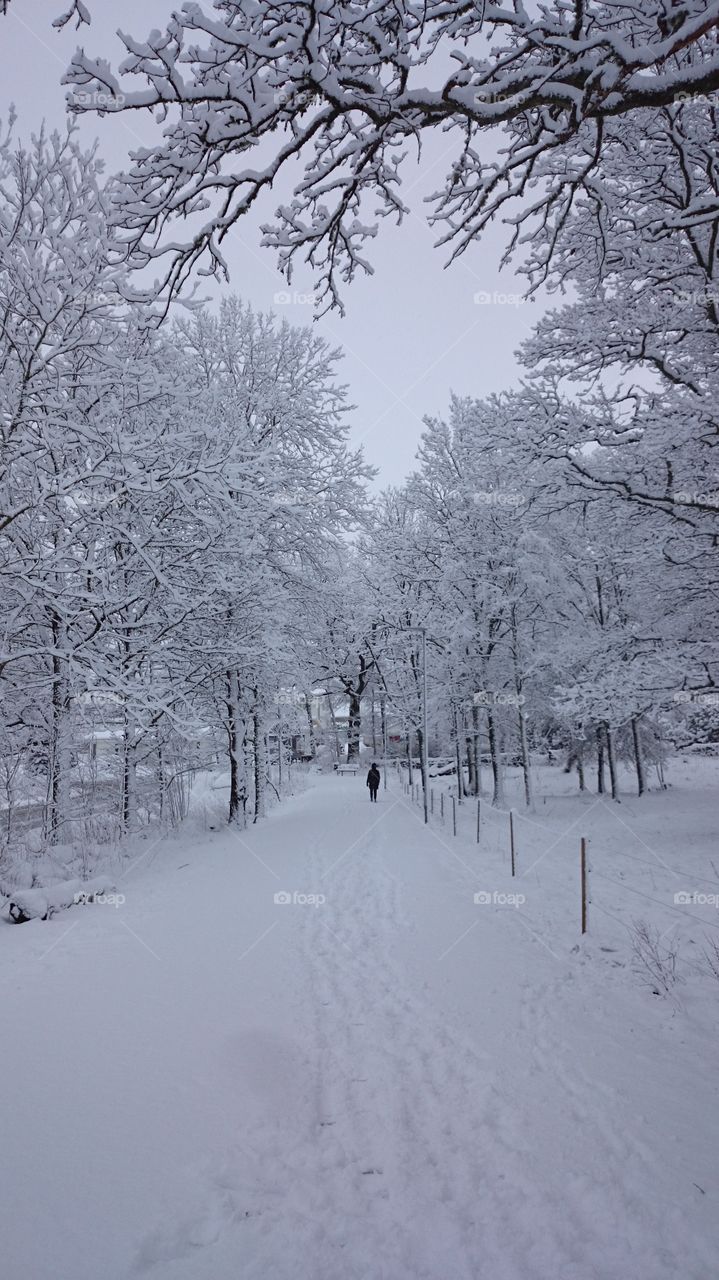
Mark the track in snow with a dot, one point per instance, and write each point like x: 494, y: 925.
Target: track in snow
x: 389, y: 1085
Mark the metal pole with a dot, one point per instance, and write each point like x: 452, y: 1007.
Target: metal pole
x: 383, y: 712
x: 425, y: 750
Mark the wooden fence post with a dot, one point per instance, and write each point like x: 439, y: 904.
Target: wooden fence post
x: 583, y: 858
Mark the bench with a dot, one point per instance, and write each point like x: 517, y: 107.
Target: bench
x: 348, y: 768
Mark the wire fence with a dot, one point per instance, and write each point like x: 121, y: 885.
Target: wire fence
x: 497, y: 831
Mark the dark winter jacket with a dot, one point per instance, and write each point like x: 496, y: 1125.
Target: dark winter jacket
x: 373, y: 778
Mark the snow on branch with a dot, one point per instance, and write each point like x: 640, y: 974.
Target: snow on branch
x: 337, y: 93
x: 77, y: 11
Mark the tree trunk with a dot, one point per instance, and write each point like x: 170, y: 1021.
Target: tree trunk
x: 476, y: 751
x: 471, y: 767
x: 497, y: 773
x: 333, y: 718
x: 601, y: 787
x: 58, y: 807
x: 279, y: 750
x: 161, y: 779
x: 611, y: 761
x: 129, y: 773
x: 518, y: 687
x: 236, y: 739
x: 260, y: 762
x: 310, y: 727
x: 638, y: 757
x: 525, y: 757
x: 457, y: 755
x: 580, y: 769
x: 354, y: 725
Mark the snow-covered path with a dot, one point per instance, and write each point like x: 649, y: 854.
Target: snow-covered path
x: 395, y: 1083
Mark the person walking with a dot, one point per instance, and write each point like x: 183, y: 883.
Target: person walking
x: 373, y: 781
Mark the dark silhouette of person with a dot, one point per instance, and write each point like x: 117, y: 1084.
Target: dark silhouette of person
x: 373, y: 781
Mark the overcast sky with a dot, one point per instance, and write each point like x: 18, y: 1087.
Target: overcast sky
x: 413, y: 331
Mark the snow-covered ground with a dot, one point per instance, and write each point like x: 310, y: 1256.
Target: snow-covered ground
x: 381, y: 1079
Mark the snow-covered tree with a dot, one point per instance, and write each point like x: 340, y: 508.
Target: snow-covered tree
x: 625, y: 380
x: 291, y: 488
x: 170, y: 498
x: 350, y: 91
